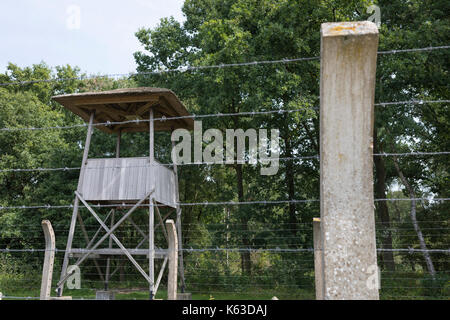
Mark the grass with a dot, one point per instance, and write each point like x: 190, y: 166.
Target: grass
x: 402, y: 286
x: 142, y: 294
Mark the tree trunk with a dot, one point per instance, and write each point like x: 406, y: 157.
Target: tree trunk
x: 382, y: 208
x: 412, y: 195
x: 289, y: 180
x: 245, y: 255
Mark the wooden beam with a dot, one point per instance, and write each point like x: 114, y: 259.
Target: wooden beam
x: 161, y: 221
x: 78, y: 252
x: 107, y: 109
x: 143, y: 109
x: 119, y: 138
x: 80, y: 101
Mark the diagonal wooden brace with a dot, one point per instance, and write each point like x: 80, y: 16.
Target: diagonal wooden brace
x: 161, y: 221
x: 109, y: 234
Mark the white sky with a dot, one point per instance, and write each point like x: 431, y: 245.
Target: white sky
x: 101, y: 41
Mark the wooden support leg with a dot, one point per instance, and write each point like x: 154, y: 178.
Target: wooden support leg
x: 68, y: 247
x: 151, y: 248
x: 108, y: 261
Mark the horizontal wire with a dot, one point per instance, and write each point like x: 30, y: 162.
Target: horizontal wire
x: 193, y: 247
x: 224, y: 162
x: 407, y: 154
x: 385, y: 104
x: 163, y: 71
x: 162, y: 119
x: 217, y: 66
x: 193, y: 116
x: 409, y: 250
x: 213, y: 231
x: 247, y: 224
x: 222, y: 276
x: 430, y: 48
x: 295, y: 223
x: 206, y: 203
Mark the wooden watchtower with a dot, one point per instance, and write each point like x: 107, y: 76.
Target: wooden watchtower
x: 130, y: 182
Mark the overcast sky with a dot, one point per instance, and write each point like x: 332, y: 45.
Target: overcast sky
x: 96, y: 35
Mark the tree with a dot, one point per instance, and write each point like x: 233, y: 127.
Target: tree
x: 218, y: 32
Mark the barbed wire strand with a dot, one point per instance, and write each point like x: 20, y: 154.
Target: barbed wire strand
x: 216, y: 66
x: 216, y: 203
x: 236, y: 249
x: 194, y: 116
x: 224, y: 162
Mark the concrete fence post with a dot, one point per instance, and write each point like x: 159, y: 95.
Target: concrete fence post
x: 347, y: 86
x: 318, y: 267
x: 173, y: 260
x: 49, y: 259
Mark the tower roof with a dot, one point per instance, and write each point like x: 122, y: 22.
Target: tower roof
x: 126, y: 105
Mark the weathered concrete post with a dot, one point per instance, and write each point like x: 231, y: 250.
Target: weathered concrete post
x: 347, y: 86
x: 318, y: 267
x: 173, y: 260
x: 49, y: 259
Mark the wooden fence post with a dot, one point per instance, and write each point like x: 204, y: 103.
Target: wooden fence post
x: 318, y: 256
x: 49, y: 259
x: 173, y: 260
x: 347, y: 87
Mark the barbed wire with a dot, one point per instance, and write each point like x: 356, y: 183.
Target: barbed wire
x: 214, y: 203
x: 216, y: 66
x: 235, y: 249
x: 224, y: 162
x: 415, y: 102
x: 231, y: 230
x: 430, y: 48
x: 256, y: 223
x: 194, y: 116
x: 162, y: 119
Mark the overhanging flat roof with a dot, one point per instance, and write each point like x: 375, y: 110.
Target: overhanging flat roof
x: 129, y: 104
